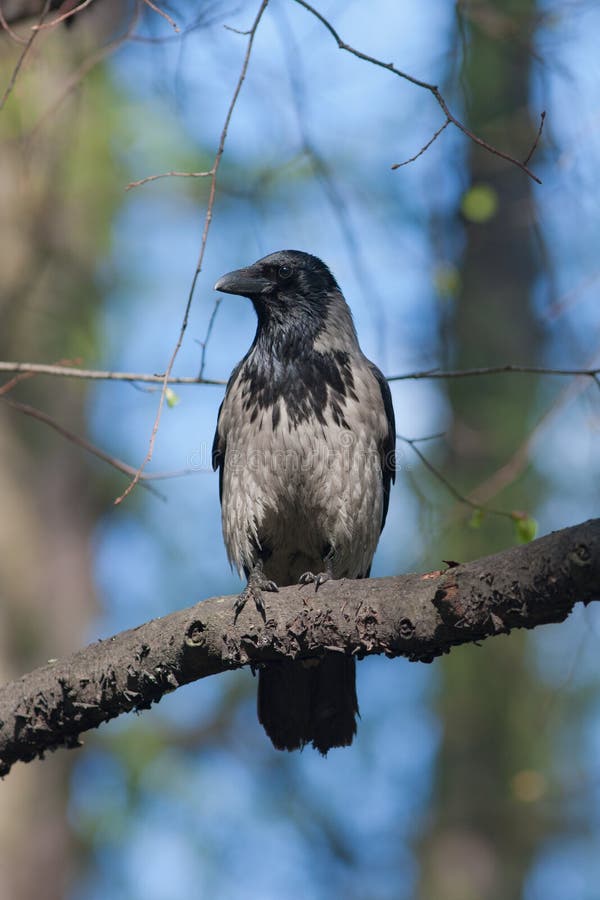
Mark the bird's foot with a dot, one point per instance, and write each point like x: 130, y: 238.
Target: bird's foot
x: 257, y: 583
x: 318, y: 579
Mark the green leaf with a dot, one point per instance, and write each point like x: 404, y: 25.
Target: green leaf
x: 476, y: 519
x: 525, y: 528
x: 171, y: 398
x: 479, y: 204
x: 447, y: 280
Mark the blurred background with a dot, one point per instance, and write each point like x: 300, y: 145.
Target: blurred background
x: 475, y: 777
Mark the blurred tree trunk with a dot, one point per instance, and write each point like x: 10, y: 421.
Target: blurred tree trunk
x: 485, y: 822
x: 57, y: 202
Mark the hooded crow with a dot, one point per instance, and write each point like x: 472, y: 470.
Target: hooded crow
x: 304, y: 445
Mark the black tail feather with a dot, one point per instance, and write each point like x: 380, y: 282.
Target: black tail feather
x: 334, y: 702
x: 309, y: 701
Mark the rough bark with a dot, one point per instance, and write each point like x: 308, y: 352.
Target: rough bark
x: 416, y: 616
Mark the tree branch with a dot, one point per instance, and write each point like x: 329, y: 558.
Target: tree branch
x: 66, y: 15
x: 212, y: 194
x: 86, y: 445
x: 416, y: 616
x: 59, y: 371
x: 23, y: 55
x: 495, y: 370
x: 435, y: 91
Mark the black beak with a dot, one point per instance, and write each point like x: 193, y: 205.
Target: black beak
x: 243, y: 282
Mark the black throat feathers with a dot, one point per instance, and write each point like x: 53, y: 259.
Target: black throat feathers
x: 289, y: 371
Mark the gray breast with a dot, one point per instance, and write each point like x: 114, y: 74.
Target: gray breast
x: 294, y: 489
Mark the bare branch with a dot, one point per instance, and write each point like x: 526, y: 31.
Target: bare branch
x: 101, y: 375
x: 24, y: 375
x: 337, y: 196
x: 494, y: 370
x: 537, y: 138
x: 439, y: 475
x: 511, y: 470
x: 86, y: 67
x: 236, y: 30
x: 76, y: 439
x: 134, y: 184
x: 424, y: 148
x: 13, y: 34
x: 211, y: 325
x: 63, y: 17
x: 149, y: 378
x: 415, y: 616
x: 207, y: 223
x: 432, y: 88
x: 23, y: 56
x: 86, y: 445
x: 569, y: 298
x: 162, y: 13
x: 11, y: 384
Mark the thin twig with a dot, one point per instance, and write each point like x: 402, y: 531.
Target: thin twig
x: 176, y: 473
x: 162, y: 13
x: 8, y: 386
x: 462, y: 498
x: 493, y: 370
x: 507, y: 473
x: 84, y: 69
x: 424, y: 148
x: 134, y: 184
x: 207, y: 223
x: 211, y: 324
x: 425, y: 438
x: 79, y: 441
x: 568, y: 299
x: 537, y: 138
x: 101, y: 375
x: 236, y: 30
x: 339, y: 202
x: 203, y: 19
x: 66, y: 15
x: 13, y: 34
x: 87, y: 445
x: 432, y: 88
x: 149, y: 378
x: 23, y: 56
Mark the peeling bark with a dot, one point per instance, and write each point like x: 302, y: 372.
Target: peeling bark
x: 416, y: 616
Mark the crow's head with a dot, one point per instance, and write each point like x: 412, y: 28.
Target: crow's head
x: 292, y: 292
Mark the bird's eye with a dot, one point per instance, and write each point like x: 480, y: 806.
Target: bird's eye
x: 284, y: 271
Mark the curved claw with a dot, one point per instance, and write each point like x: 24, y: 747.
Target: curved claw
x: 253, y: 591
x: 317, y: 580
x: 306, y: 578
x: 248, y: 593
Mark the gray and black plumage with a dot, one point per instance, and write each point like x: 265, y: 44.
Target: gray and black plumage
x: 305, y: 450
